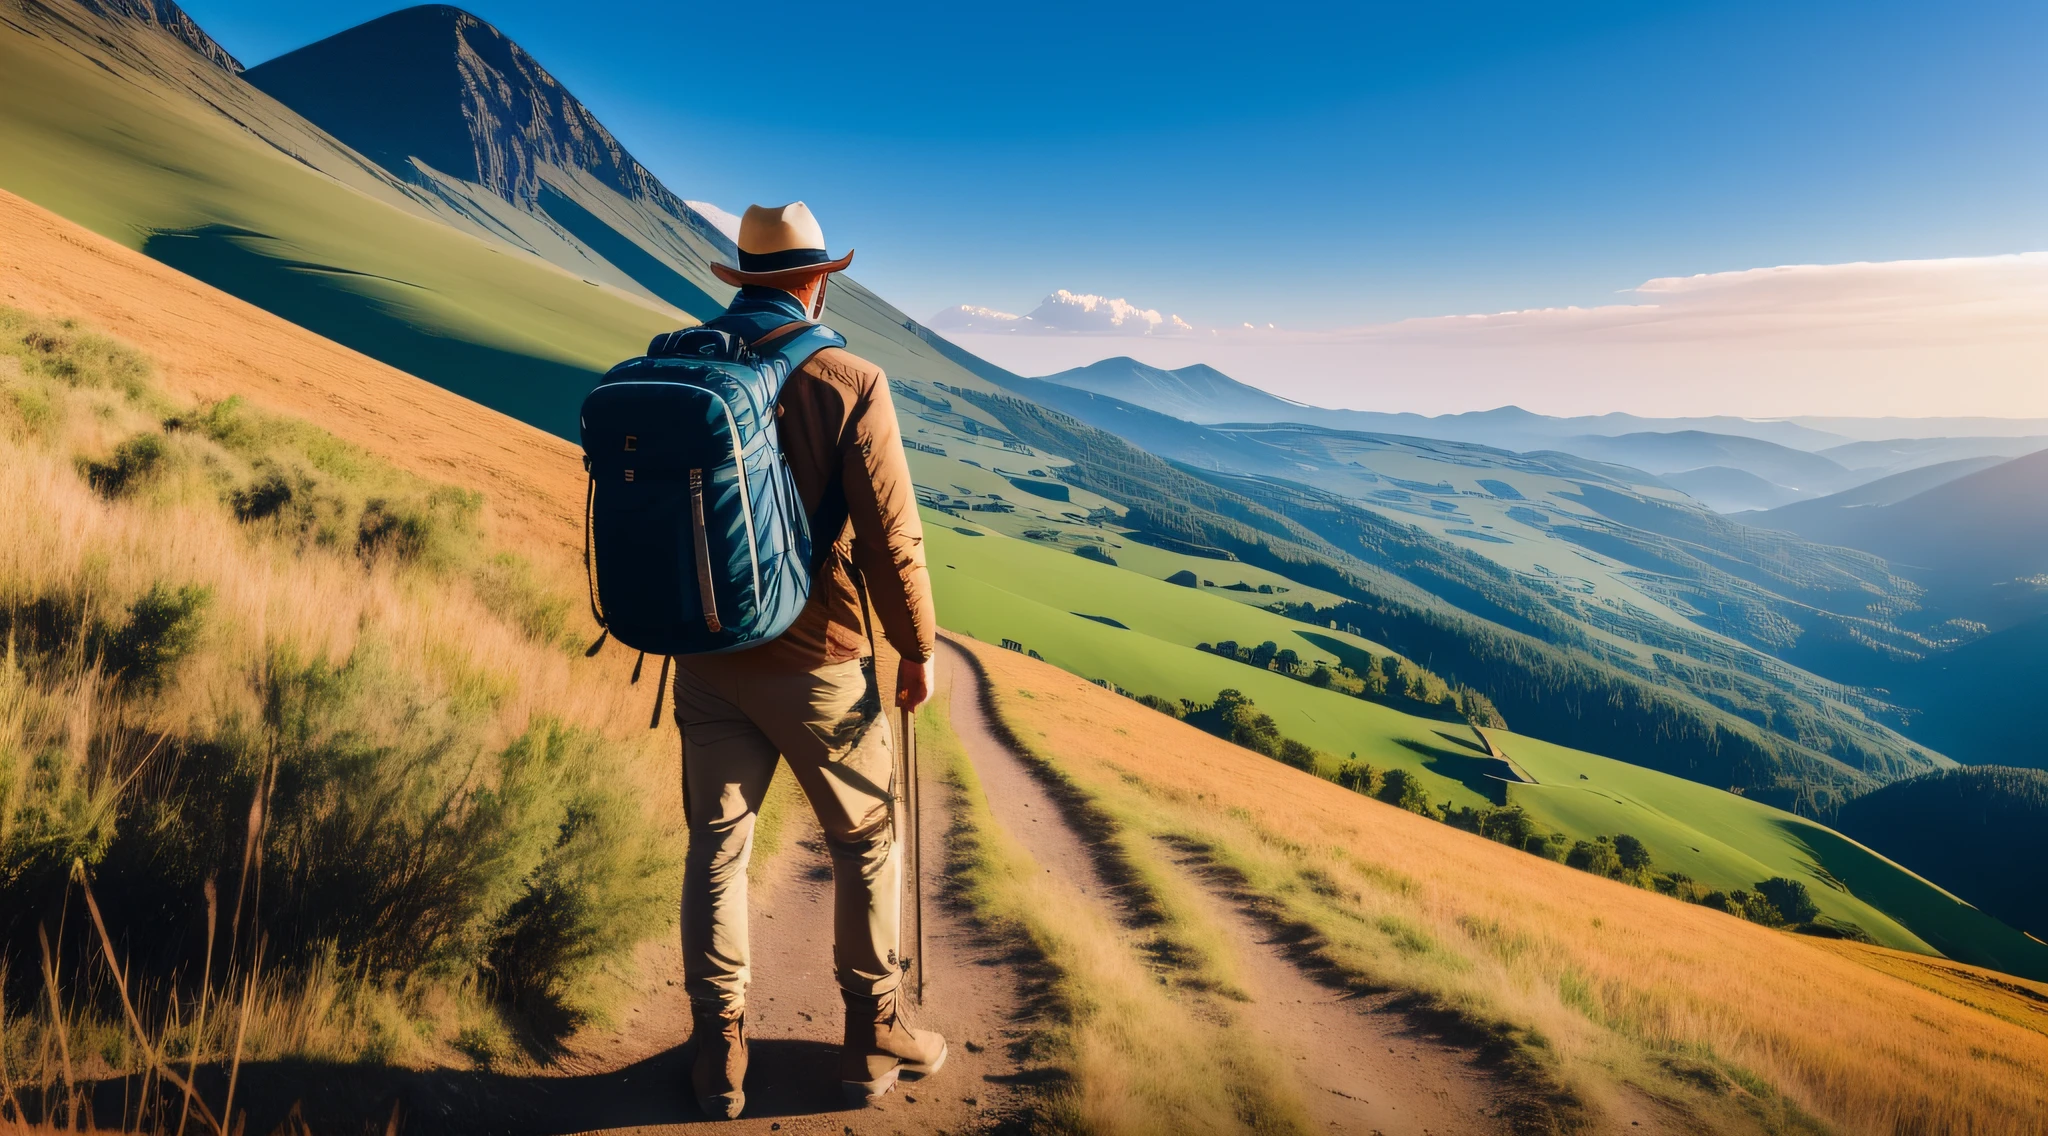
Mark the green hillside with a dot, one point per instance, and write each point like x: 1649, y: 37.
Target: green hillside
x: 129, y: 132
x: 1052, y: 602
x: 1981, y: 832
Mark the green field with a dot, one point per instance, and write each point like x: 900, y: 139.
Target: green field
x: 996, y: 587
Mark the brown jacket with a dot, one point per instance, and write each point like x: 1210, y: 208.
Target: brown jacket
x: 835, y: 416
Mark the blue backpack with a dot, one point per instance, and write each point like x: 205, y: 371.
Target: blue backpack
x: 695, y: 539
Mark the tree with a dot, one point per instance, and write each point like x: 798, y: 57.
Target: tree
x: 1242, y: 723
x: 1359, y: 777
x: 1298, y: 755
x: 1633, y: 854
x: 1403, y: 789
x: 1262, y: 655
x: 1595, y: 856
x: 1286, y: 660
x: 1227, y: 648
x: 1791, y: 899
x: 1510, y: 826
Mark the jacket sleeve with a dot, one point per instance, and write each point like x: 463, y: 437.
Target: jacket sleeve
x: 888, y: 535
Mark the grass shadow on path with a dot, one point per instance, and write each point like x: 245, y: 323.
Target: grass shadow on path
x: 787, y: 1078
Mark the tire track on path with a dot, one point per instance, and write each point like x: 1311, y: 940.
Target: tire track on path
x: 1358, y: 1071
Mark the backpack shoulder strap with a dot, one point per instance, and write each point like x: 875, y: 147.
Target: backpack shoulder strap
x: 795, y: 342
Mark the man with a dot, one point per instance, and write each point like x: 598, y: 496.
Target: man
x: 806, y: 696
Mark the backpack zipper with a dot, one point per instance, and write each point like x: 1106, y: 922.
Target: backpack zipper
x: 703, y: 552
x: 739, y: 462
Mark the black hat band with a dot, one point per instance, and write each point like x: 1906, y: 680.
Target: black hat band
x: 782, y: 261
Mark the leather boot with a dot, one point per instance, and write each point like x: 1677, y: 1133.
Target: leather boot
x: 881, y: 1046
x: 719, y: 1071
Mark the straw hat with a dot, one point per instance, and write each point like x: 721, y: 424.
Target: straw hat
x: 780, y: 246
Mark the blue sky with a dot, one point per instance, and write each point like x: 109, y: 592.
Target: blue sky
x: 1313, y: 166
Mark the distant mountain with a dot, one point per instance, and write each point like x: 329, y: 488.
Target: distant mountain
x: 1884, y: 491
x: 1200, y: 393
x: 1727, y: 490
x: 1978, y: 542
x: 1805, y: 474
x: 1878, y: 429
x: 1981, y: 833
x: 1895, y: 455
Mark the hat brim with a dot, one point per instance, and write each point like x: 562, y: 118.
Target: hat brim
x: 782, y: 277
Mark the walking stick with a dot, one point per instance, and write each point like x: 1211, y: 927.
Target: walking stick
x: 916, y: 857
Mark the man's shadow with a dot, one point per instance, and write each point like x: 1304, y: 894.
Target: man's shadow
x: 784, y: 1078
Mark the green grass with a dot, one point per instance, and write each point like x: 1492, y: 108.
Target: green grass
x: 994, y: 587
x: 137, y: 158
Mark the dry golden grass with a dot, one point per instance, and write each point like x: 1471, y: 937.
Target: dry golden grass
x: 72, y: 740
x: 208, y: 345
x: 1732, y: 1025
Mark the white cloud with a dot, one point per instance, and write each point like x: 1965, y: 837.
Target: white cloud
x: 1065, y: 313
x: 724, y: 222
x: 1927, y: 337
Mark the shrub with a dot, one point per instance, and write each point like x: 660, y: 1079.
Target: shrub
x: 1184, y: 578
x: 61, y: 350
x: 1549, y: 846
x: 1165, y: 706
x: 1595, y: 856
x: 1297, y: 754
x: 1509, y: 825
x: 1359, y: 778
x: 133, y: 463
x: 1404, y: 790
x: 430, y: 528
x: 1633, y: 854
x: 161, y: 629
x: 1790, y: 898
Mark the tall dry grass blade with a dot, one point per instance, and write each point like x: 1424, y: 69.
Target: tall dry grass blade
x: 241, y: 1031
x: 57, y: 1020
x: 149, y: 1050
x: 205, y: 988
x: 10, y: 1108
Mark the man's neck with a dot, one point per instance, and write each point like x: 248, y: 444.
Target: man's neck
x: 758, y: 297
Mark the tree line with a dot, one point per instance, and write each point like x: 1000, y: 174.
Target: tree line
x: 1386, y: 679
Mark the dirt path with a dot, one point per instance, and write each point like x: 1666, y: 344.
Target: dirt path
x: 794, y: 1013
x: 633, y: 1076
x: 1360, y: 1070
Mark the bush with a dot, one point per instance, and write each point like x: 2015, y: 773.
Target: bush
x: 1297, y: 754
x: 1165, y: 706
x: 1549, y: 846
x: 132, y: 464
x: 1791, y: 899
x: 1184, y: 578
x: 1633, y: 854
x: 1403, y: 789
x: 1595, y: 856
x: 161, y: 629
x: 1359, y: 778
x: 1096, y: 553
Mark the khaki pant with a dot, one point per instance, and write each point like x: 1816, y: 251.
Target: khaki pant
x: 735, y: 722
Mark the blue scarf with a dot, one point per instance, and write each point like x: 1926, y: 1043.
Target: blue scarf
x: 756, y: 301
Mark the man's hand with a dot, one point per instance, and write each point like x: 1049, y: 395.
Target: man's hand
x: 913, y: 683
